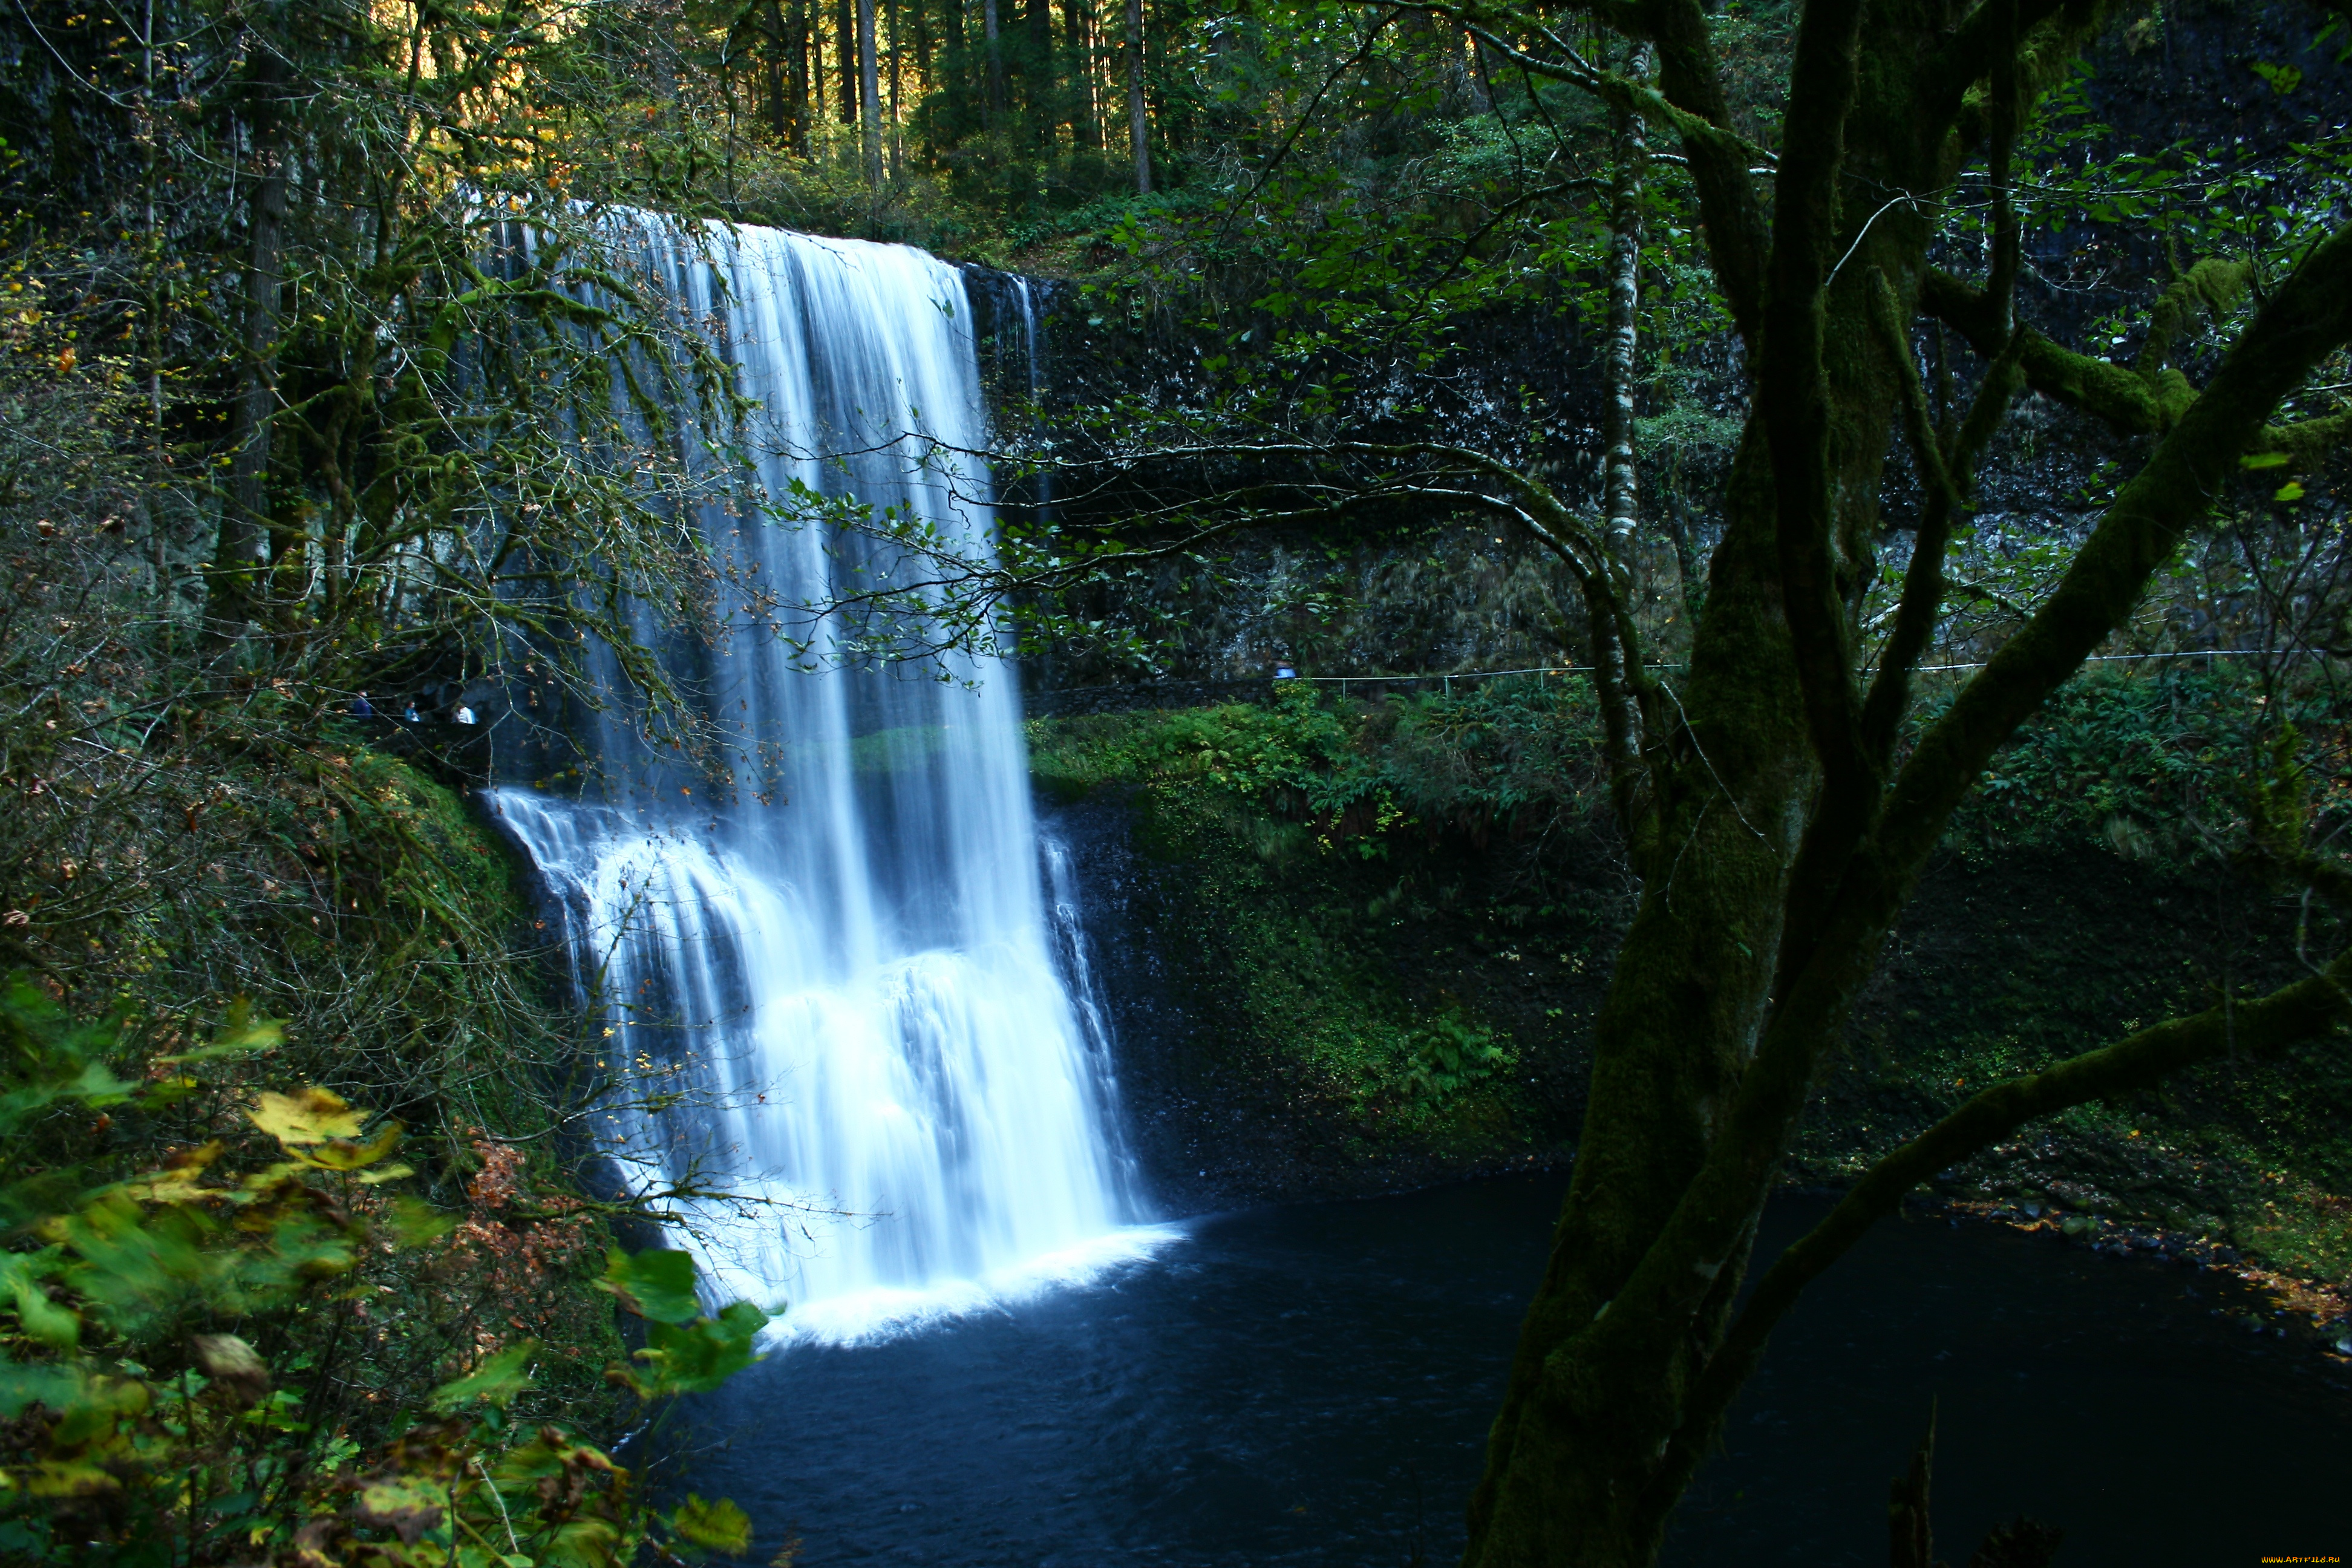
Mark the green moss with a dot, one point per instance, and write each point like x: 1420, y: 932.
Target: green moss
x: 1366, y: 882
x: 2081, y: 895
x: 1304, y: 985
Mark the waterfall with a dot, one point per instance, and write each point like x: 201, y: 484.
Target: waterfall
x: 875, y: 1025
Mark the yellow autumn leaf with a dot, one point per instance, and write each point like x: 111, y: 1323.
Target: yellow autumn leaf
x: 310, y: 1116
x: 343, y: 1154
x: 69, y: 1477
x: 409, y: 1506
x: 180, y: 1182
x: 271, y: 1179
x: 173, y: 1187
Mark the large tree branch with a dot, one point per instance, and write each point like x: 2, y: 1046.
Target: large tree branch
x: 1415, y: 471
x: 2144, y: 398
x: 2305, y: 322
x: 1922, y: 598
x: 2127, y: 403
x: 1988, y: 41
x: 2300, y: 1012
x: 2213, y: 288
x: 1619, y: 92
x: 1625, y: 17
x: 2310, y: 442
x: 1627, y: 695
x: 1688, y: 102
x: 2308, y: 319
x: 1946, y: 479
x: 1719, y: 163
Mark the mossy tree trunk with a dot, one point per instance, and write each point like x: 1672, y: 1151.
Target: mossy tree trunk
x: 1776, y: 832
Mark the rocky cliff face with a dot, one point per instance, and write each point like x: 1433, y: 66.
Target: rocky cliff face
x: 2211, y: 97
x: 1235, y: 986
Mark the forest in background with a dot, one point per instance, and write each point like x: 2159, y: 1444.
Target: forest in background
x: 307, y: 392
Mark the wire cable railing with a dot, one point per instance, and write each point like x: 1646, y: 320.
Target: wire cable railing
x: 1201, y: 693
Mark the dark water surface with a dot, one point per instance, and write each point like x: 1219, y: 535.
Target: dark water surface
x: 1312, y: 1385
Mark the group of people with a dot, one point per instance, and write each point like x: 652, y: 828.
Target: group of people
x: 363, y: 708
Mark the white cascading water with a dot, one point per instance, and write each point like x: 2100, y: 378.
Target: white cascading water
x: 852, y: 971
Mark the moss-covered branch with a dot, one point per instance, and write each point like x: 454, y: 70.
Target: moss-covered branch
x: 1689, y: 103
x: 2305, y: 322
x: 1793, y: 380
x: 2307, y: 443
x: 2213, y: 288
x: 2116, y: 394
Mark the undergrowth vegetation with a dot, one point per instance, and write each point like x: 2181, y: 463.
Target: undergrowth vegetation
x: 2154, y: 765
x: 1374, y: 877
x: 2157, y: 767
x: 232, y: 1330
x: 222, y: 1338
x: 1352, y: 775
x: 1317, y: 829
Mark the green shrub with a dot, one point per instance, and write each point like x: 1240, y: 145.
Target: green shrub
x: 2152, y: 765
x: 171, y: 1337
x: 1452, y: 1054
x: 1510, y: 753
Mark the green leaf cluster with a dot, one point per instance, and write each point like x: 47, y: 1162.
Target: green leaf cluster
x: 1452, y: 1054
x: 142, y: 1418
x: 1510, y: 753
x: 2155, y: 766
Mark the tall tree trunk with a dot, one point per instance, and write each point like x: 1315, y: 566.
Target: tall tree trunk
x: 1784, y: 835
x: 797, y: 51
x: 1620, y: 475
x: 780, y: 109
x: 1619, y: 487
x: 1077, y: 30
x: 813, y: 17
x: 1139, y: 125
x: 229, y: 591
x: 898, y: 123
x: 845, y: 34
x: 1566, y: 1482
x: 949, y: 80
x: 870, y: 96
x: 995, y: 62
x: 1045, y: 113
x: 1577, y: 1468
